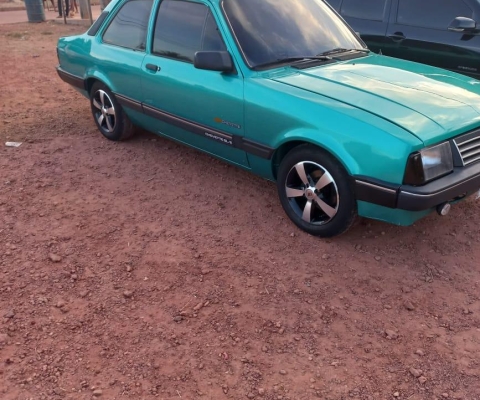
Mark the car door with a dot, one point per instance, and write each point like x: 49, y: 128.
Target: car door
x: 198, y: 107
x: 418, y: 31
x: 120, y: 54
x: 369, y: 18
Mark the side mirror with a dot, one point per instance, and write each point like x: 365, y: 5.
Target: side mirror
x: 213, y: 61
x: 463, y: 24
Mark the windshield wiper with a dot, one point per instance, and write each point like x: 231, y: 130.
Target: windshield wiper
x: 321, y: 57
x: 342, y: 50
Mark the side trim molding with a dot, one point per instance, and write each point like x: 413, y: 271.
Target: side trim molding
x: 257, y: 149
x: 235, y: 141
x: 380, y: 193
x: 127, y: 102
x: 222, y: 137
x: 71, y: 79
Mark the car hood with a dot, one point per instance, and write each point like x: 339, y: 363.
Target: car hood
x: 430, y: 103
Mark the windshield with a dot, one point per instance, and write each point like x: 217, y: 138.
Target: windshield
x: 272, y: 30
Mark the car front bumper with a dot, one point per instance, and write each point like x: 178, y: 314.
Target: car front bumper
x: 459, y: 184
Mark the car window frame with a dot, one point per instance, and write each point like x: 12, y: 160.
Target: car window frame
x: 395, y: 18
x: 339, y: 5
x: 154, y: 24
x: 385, y: 13
x: 112, y: 15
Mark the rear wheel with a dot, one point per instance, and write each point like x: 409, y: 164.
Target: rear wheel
x: 108, y: 114
x: 316, y: 192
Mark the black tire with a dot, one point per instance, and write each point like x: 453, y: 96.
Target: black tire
x: 332, y: 207
x: 108, y: 114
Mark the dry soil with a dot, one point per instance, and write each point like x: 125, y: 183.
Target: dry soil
x: 145, y: 269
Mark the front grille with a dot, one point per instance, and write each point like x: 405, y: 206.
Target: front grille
x: 469, y: 147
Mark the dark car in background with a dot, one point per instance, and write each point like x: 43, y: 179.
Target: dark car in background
x: 442, y: 33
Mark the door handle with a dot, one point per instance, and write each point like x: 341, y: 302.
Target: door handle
x: 152, y: 67
x: 397, y: 37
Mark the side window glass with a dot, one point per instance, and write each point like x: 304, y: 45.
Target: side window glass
x: 129, y: 26
x: 212, y: 41
x: 440, y: 14
x: 367, y: 9
x: 182, y: 28
x: 335, y: 4
x: 178, y: 29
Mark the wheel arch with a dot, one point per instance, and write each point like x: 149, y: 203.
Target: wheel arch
x: 96, y: 77
x: 337, y: 151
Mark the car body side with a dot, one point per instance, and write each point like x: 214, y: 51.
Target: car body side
x: 277, y: 116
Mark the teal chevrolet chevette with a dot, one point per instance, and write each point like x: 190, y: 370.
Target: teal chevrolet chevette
x: 286, y: 90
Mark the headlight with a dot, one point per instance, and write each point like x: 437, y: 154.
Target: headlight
x: 428, y: 164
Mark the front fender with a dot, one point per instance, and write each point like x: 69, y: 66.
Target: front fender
x: 371, y: 153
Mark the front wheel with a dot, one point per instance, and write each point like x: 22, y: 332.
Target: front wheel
x: 316, y: 192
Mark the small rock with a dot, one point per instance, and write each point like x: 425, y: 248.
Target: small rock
x: 467, y: 311
x: 261, y: 391
x: 391, y: 335
x: 97, y: 392
x: 422, y: 379
x: 60, y: 304
x: 396, y: 394
x: 198, y: 306
x: 250, y: 395
x: 74, y: 277
x: 3, y: 338
x: 378, y: 258
x: 416, y: 372
x: 292, y: 234
x: 420, y: 352
x: 264, y: 349
x: 127, y: 294
x: 129, y: 268
x: 281, y: 330
x: 54, y: 257
x: 84, y: 293
x: 445, y: 395
x: 282, y: 372
x: 409, y: 305
x: 178, y: 318
x: 246, y: 359
x: 9, y: 314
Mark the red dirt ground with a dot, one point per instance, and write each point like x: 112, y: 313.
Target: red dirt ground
x: 144, y: 269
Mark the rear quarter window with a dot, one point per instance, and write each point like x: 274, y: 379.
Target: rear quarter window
x: 373, y: 10
x: 97, y: 24
x: 128, y: 27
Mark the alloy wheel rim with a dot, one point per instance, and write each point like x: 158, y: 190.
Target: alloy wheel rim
x: 312, y: 193
x: 104, y: 111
